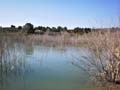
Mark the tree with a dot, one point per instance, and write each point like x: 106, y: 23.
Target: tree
x: 44, y: 29
x: 65, y: 29
x: 87, y: 30
x: 48, y: 29
x: 13, y: 26
x: 0, y: 28
x: 59, y: 28
x: 19, y: 27
x: 78, y: 30
x: 28, y: 27
x: 53, y: 29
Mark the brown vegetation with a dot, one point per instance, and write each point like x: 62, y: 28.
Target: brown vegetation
x: 105, y: 66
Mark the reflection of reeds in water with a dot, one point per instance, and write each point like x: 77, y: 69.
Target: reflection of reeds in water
x: 13, y: 52
x: 12, y: 61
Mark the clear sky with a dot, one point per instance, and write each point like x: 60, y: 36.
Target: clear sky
x: 70, y: 13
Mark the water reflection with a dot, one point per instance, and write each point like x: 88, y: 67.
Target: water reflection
x: 12, y: 63
x: 38, y: 67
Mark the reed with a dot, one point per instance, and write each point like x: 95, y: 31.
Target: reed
x: 105, y: 64
x: 104, y: 45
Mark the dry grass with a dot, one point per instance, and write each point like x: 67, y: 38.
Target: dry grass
x: 105, y: 67
x: 106, y: 64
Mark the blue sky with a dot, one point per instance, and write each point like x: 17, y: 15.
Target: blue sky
x: 70, y: 13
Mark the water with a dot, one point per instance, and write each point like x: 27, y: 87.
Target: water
x: 40, y: 67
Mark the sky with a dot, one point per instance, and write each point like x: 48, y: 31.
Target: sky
x: 70, y: 13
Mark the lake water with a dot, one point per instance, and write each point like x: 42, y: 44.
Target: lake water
x: 41, y: 67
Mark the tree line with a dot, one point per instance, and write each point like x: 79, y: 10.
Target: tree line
x: 30, y: 29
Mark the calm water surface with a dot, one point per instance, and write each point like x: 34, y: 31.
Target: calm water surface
x: 44, y: 68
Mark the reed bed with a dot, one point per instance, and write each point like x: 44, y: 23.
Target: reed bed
x: 105, y: 66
